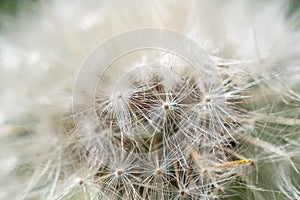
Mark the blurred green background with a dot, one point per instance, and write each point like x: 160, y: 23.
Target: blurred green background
x: 12, y: 7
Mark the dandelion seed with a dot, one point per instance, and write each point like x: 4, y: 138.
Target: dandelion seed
x: 233, y: 163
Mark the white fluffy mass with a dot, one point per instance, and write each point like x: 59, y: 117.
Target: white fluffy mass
x: 155, y: 126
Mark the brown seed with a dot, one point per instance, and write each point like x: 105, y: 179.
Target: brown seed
x: 207, y: 99
x: 166, y: 106
x: 158, y: 171
x: 182, y: 192
x: 119, y: 172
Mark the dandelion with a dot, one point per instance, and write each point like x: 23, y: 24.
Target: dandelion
x: 150, y: 100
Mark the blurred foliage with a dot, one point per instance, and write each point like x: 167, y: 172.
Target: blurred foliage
x: 12, y: 7
x: 294, y: 5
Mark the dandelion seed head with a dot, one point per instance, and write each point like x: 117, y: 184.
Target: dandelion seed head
x: 188, y: 109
